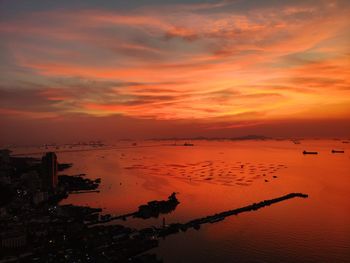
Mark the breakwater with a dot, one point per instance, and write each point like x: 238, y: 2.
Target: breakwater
x: 196, y: 223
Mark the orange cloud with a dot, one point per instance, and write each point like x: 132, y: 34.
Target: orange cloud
x: 182, y: 63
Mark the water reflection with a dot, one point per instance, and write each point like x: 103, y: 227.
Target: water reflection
x: 216, y: 176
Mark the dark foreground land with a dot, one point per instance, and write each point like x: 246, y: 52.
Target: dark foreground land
x: 34, y: 227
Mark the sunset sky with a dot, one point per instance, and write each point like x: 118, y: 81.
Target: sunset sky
x: 143, y: 69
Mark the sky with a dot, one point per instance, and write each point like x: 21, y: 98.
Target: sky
x: 89, y: 69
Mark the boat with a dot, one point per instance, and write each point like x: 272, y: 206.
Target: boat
x: 188, y: 144
x: 306, y: 152
x: 337, y: 151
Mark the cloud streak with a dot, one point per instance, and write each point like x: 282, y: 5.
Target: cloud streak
x: 180, y: 61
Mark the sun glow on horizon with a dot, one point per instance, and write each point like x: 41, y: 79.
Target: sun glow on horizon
x: 219, y: 61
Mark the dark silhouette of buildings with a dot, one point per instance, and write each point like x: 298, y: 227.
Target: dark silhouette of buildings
x: 5, y: 166
x: 49, y: 169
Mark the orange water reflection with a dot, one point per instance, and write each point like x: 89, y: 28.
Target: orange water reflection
x: 216, y: 176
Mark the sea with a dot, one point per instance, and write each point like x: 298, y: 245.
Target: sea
x: 210, y: 177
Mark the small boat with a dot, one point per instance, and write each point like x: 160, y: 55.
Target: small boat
x: 337, y: 151
x: 188, y: 144
x: 306, y: 152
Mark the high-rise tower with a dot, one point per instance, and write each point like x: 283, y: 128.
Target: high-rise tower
x: 49, y: 171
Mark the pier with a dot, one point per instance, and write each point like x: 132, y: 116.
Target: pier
x: 196, y: 223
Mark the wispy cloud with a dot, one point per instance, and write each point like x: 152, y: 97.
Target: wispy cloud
x: 180, y: 61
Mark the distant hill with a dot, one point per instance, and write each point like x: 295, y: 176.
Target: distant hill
x: 240, y: 138
x: 251, y: 137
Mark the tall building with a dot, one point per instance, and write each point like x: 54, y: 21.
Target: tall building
x: 4, y: 156
x: 49, y: 171
x: 4, y: 161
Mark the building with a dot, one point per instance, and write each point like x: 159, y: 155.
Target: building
x: 40, y: 197
x: 5, y: 165
x: 4, y: 156
x: 3, y: 212
x: 49, y: 168
x: 31, y: 181
x: 13, y: 239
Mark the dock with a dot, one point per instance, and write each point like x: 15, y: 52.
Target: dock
x: 196, y: 223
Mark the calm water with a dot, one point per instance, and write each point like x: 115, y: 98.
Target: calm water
x: 217, y: 176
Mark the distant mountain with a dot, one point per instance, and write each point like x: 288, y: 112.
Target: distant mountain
x: 251, y: 137
x: 240, y: 138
